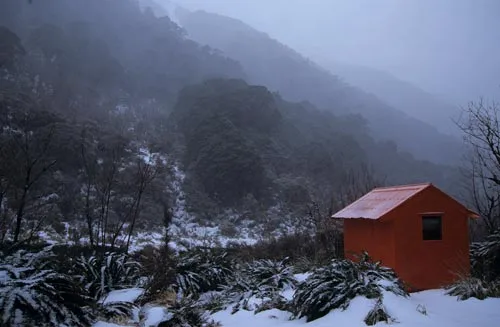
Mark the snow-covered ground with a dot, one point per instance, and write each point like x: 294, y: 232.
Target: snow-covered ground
x: 429, y: 308
x: 127, y: 295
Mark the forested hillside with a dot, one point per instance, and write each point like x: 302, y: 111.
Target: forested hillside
x: 400, y: 94
x: 280, y: 68
x: 242, y: 140
x: 86, y: 92
x: 105, y: 108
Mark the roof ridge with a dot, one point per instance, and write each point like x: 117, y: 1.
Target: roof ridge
x: 402, y: 186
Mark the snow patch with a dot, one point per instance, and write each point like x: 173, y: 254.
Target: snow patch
x: 129, y: 295
x: 155, y: 315
x: 107, y: 324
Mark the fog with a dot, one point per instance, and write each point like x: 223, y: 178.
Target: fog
x: 447, y: 47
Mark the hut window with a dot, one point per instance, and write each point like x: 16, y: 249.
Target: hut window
x: 431, y: 228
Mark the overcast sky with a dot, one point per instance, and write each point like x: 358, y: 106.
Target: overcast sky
x: 448, y: 47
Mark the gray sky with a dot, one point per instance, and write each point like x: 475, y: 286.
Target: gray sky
x: 448, y: 47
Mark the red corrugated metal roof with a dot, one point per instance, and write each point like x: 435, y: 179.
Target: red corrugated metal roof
x: 380, y: 201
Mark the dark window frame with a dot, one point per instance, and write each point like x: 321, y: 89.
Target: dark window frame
x: 432, y: 227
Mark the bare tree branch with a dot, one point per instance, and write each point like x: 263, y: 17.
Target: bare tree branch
x: 480, y: 125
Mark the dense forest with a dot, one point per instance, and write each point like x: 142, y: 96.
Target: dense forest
x: 101, y: 110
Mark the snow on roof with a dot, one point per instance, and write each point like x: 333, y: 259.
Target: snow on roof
x: 380, y: 201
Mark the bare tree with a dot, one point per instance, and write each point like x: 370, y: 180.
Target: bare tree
x: 5, y: 217
x: 485, y: 196
x: 89, y: 170
x: 145, y: 175
x: 25, y: 161
x: 480, y: 125
x: 355, y: 183
x: 105, y: 186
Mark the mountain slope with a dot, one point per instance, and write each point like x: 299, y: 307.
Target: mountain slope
x: 268, y: 62
x: 85, y: 91
x: 151, y: 55
x: 242, y: 142
x: 399, y: 94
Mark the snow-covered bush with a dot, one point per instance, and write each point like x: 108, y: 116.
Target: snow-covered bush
x: 114, y: 310
x: 474, y: 287
x: 377, y: 314
x: 34, y: 296
x: 278, y: 302
x: 35, y: 259
x: 270, y: 276
x: 485, y: 266
x: 485, y: 258
x: 187, y: 313
x: 260, y: 279
x: 101, y: 274
x: 200, y: 271
x: 335, y: 285
x: 213, y: 302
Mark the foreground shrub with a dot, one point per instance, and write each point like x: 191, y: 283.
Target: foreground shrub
x: 203, y: 270
x: 187, y: 313
x: 485, y: 269
x: 101, y: 274
x: 334, y: 286
x: 38, y: 259
x: 474, y: 287
x: 160, y: 267
x: 485, y: 258
x: 116, y: 310
x: 261, y: 279
x: 269, y: 275
x: 277, y: 302
x: 377, y: 314
x: 33, y: 296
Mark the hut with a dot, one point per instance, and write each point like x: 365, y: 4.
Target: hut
x: 418, y: 230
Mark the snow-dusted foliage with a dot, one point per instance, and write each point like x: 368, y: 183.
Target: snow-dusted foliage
x: 335, y: 285
x: 485, y: 258
x: 270, y: 276
x: 200, y: 271
x: 102, y: 274
x: 30, y: 296
x: 187, y: 313
x: 485, y: 279
x: 23, y: 258
x: 113, y: 310
x: 260, y: 279
x: 377, y: 314
x: 474, y: 287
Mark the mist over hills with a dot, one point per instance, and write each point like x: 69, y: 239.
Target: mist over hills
x: 268, y: 62
x: 400, y: 94
x: 446, y: 47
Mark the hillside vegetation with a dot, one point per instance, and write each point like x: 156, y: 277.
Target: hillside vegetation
x: 106, y: 107
x: 273, y: 64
